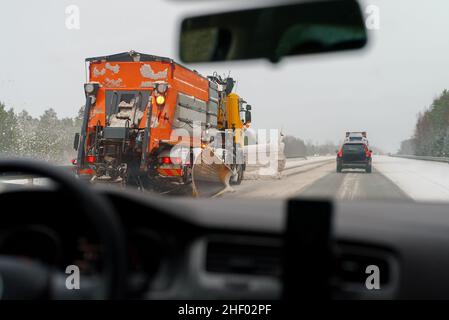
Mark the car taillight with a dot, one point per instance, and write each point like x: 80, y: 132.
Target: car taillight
x: 90, y: 159
x: 340, y: 153
x: 73, y: 162
x: 367, y: 152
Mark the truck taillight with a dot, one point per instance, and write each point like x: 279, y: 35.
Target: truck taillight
x: 91, y: 159
x: 165, y: 160
x: 170, y: 160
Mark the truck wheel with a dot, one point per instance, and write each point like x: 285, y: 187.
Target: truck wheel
x: 238, y: 177
x: 187, y: 175
x: 241, y: 173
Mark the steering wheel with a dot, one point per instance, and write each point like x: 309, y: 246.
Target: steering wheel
x: 32, y: 280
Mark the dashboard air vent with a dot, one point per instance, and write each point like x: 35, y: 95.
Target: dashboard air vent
x: 247, y: 259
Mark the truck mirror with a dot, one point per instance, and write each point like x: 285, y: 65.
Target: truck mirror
x: 248, y: 116
x: 248, y: 107
x: 76, y: 141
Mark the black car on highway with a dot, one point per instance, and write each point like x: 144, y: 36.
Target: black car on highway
x: 354, y: 156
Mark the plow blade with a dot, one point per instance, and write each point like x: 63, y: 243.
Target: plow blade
x: 210, y: 176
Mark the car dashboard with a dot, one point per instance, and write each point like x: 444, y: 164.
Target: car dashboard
x: 180, y: 248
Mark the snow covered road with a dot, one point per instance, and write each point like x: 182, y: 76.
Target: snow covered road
x: 420, y: 180
x: 392, y: 179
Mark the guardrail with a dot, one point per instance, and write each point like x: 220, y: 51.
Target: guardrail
x: 425, y: 158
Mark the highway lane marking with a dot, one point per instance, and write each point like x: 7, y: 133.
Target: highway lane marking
x: 350, y: 186
x: 305, y: 167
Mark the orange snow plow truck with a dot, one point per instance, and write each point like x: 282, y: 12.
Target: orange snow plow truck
x: 157, y: 125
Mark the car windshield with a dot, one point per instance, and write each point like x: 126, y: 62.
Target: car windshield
x: 100, y: 90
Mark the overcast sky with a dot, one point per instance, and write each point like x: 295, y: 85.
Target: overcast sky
x: 380, y: 89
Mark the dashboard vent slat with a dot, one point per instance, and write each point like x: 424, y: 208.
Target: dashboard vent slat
x: 246, y: 259
x: 353, y: 260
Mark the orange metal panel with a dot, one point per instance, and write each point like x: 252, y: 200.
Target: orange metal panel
x: 190, y: 83
x: 142, y: 75
x: 129, y: 74
x: 98, y: 111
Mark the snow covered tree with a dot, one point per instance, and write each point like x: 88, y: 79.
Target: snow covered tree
x: 8, y: 131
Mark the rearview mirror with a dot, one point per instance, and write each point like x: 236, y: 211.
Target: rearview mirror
x: 273, y: 32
